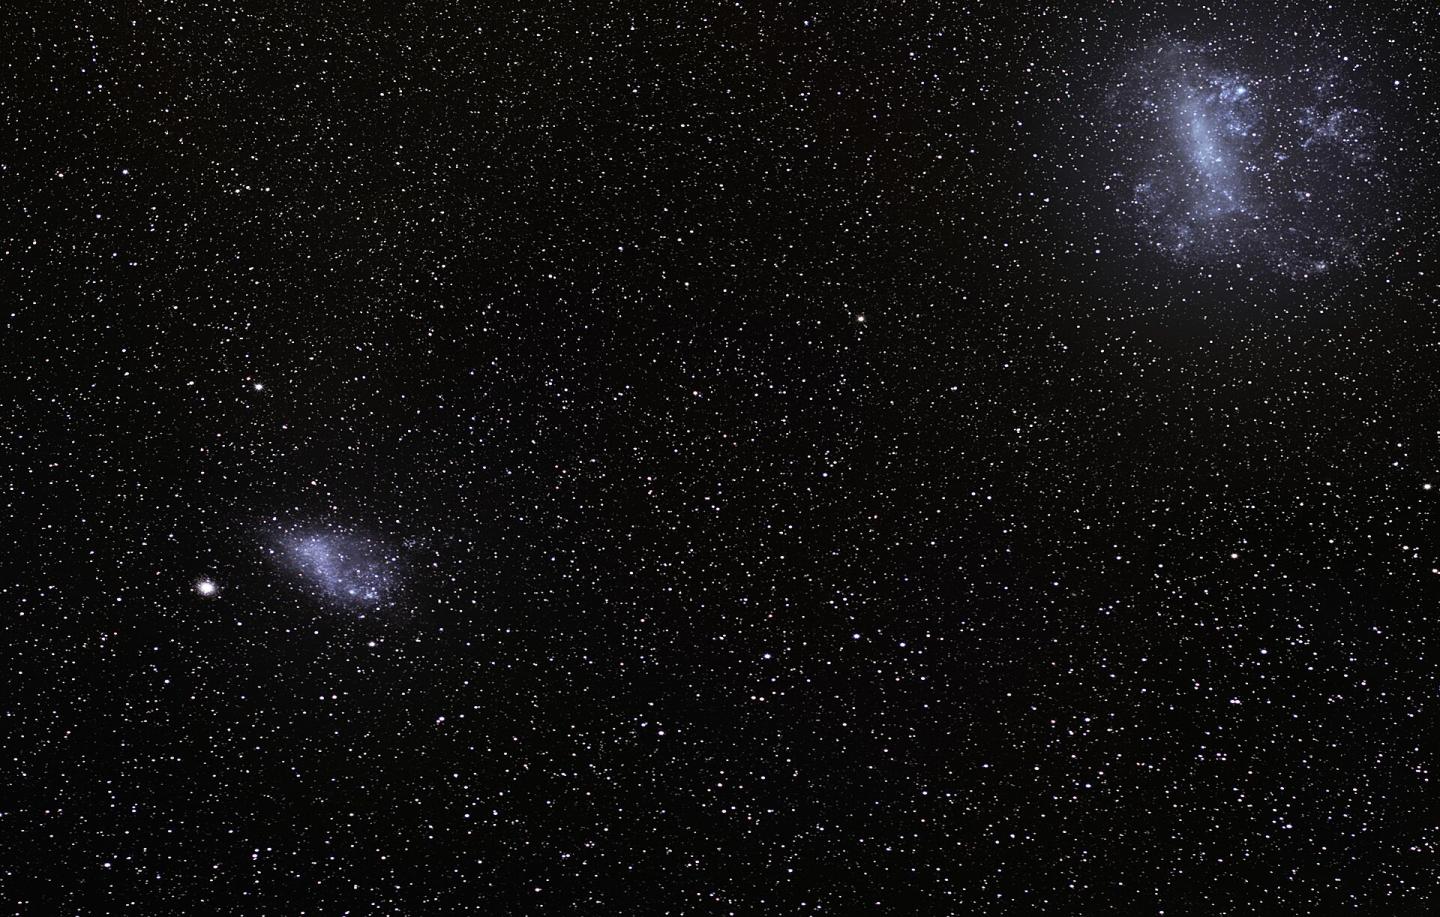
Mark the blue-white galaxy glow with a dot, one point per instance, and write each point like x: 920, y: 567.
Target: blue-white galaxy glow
x: 341, y: 567
x: 1266, y: 165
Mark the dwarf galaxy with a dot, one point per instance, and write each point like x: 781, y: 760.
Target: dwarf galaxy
x: 340, y: 567
x: 1276, y: 162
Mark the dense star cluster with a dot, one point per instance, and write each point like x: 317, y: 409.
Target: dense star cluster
x: 908, y: 459
x: 1278, y: 163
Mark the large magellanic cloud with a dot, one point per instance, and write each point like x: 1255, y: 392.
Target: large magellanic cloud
x: 1274, y: 162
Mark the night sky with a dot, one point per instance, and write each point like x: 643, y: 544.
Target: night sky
x: 736, y: 459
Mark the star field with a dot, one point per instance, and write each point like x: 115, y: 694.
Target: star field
x: 740, y: 459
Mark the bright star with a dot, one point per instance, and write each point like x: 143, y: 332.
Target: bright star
x: 207, y: 587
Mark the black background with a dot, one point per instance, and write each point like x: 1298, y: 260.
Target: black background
x: 811, y: 500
